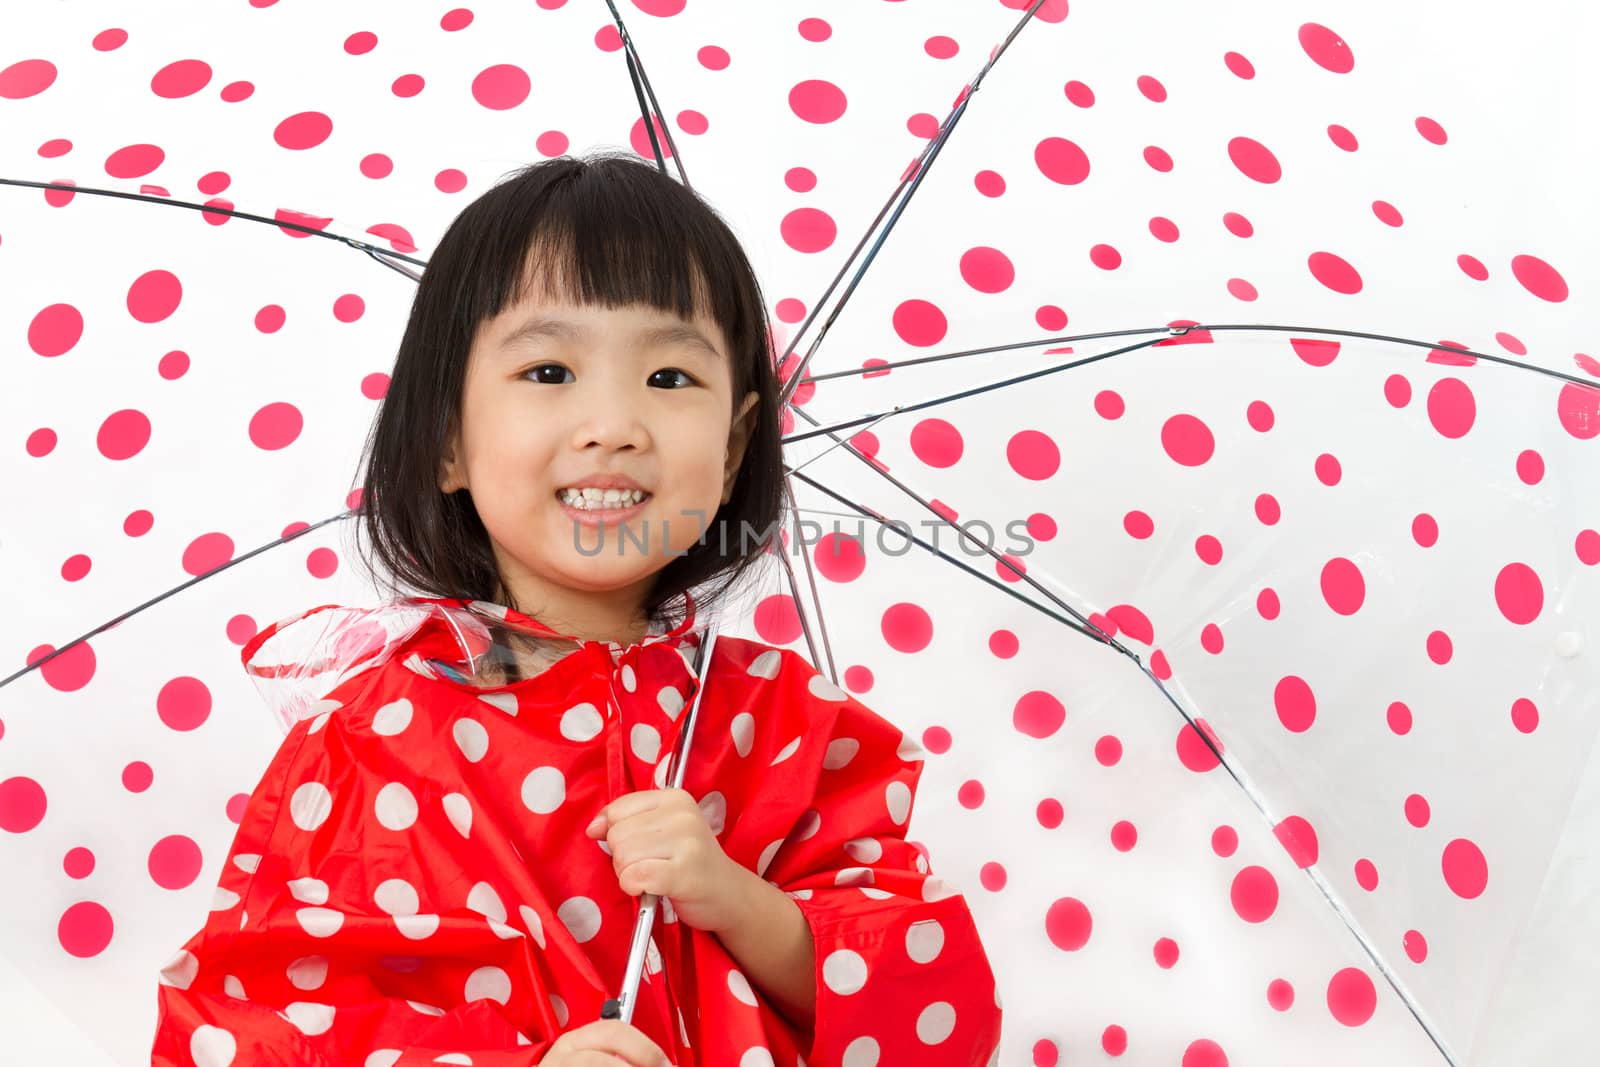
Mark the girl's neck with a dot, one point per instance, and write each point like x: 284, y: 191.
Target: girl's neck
x: 612, y: 615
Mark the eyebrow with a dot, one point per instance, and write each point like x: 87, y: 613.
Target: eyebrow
x: 676, y: 334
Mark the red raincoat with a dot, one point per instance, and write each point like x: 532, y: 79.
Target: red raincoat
x: 411, y: 884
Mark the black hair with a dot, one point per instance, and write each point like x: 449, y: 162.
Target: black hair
x: 604, y: 229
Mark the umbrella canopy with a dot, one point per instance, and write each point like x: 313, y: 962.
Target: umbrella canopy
x: 1369, y: 568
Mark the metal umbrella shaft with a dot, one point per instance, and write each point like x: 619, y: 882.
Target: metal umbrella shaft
x: 621, y: 1006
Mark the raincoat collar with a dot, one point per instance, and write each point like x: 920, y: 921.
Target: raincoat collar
x: 676, y: 636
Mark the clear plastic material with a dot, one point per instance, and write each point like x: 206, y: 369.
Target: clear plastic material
x: 296, y: 662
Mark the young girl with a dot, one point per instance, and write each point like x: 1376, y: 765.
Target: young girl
x: 443, y: 861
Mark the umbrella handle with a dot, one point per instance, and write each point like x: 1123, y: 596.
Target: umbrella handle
x: 621, y: 1006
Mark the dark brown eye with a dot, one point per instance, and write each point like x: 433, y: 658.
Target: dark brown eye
x: 673, y: 370
x: 546, y: 380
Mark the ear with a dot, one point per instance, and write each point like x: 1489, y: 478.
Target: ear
x: 451, y: 477
x: 744, y: 422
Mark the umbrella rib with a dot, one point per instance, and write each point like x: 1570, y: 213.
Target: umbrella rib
x: 42, y: 660
x: 811, y: 579
x: 1442, y: 346
x: 637, y: 74
x: 974, y: 572
x: 382, y: 255
x: 916, y: 172
x: 963, y: 394
x: 998, y: 558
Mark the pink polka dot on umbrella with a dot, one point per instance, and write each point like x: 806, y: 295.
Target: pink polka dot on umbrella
x: 1204, y: 1053
x: 839, y: 557
x: 817, y: 101
x: 1431, y: 131
x: 28, y: 77
x: 1254, y: 894
x: 1068, y: 924
x: 1587, y: 547
x: 777, y: 620
x: 906, y: 627
x: 1038, y: 714
x: 1105, y: 256
x: 1295, y: 702
x: 174, y: 862
x: 123, y: 434
x: 1326, y: 48
x: 304, y: 130
x: 173, y: 365
x: 1049, y: 813
x: 270, y: 319
x: 154, y: 296
x: 1033, y: 455
x: 1399, y: 718
x: 1299, y: 839
x: 920, y: 323
x: 134, y: 161
x: 936, y: 443
x: 137, y: 776
x: 808, y: 229
x: 501, y: 87
x: 1254, y: 160
x: 1114, y: 1040
x: 1187, y: 440
x: 1452, y: 408
x: 85, y: 929
x: 1352, y: 998
x: 66, y: 671
x: 41, y: 442
x: 54, y: 330
x: 1334, y: 272
x: 207, y: 552
x: 1343, y: 587
x: 1539, y: 278
x: 22, y: 804
x: 988, y: 270
x: 184, y: 703
x: 1061, y: 161
x: 78, y: 863
x: 1280, y: 995
x: 275, y: 426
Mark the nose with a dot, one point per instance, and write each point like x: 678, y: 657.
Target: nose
x: 611, y: 422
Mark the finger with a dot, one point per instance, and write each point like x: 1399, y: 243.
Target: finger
x: 631, y: 804
x: 646, y: 876
x: 620, y: 1039
x: 592, y: 1058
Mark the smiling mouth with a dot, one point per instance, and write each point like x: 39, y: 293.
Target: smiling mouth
x: 602, y: 499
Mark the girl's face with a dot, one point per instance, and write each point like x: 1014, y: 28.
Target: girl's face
x: 558, y: 395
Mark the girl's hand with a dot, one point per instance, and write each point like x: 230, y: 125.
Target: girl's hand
x: 661, y: 843
x: 605, y: 1043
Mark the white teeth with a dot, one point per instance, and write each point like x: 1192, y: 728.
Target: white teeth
x: 592, y: 499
